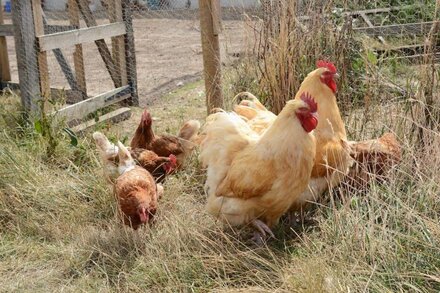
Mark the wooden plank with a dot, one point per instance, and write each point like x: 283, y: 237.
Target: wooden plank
x: 420, y: 28
x: 5, y: 72
x: 14, y: 86
x: 42, y: 56
x: 370, y: 24
x: 367, y: 11
x: 51, y: 29
x: 118, y: 43
x: 54, y: 92
x: 366, y: 19
x: 65, y: 68
x: 24, y: 36
x: 130, y: 52
x: 102, y: 46
x: 6, y: 30
x: 79, y: 36
x: 83, y: 108
x: 381, y: 9
x: 416, y: 58
x: 211, y: 57
x: 78, y: 57
x: 113, y: 117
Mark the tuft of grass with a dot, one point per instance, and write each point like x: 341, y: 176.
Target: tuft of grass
x: 59, y: 228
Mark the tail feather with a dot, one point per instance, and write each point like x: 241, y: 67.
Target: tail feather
x: 109, y: 154
x: 245, y: 111
x: 189, y: 129
x: 248, y: 96
x: 188, y: 135
x: 104, y: 145
x: 126, y: 162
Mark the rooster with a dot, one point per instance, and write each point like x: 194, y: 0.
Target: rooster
x: 254, y: 179
x: 254, y: 113
x: 136, y: 191
x: 165, y: 145
x: 158, y: 166
x: 332, y: 159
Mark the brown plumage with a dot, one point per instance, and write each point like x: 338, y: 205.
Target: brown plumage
x: 374, y: 159
x: 136, y: 191
x: 165, y: 145
x: 158, y: 166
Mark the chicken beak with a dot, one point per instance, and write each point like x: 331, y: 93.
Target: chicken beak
x: 315, y: 114
x: 336, y: 75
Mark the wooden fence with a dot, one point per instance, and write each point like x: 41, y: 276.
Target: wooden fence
x: 33, y: 41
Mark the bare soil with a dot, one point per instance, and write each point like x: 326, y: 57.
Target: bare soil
x: 168, y: 53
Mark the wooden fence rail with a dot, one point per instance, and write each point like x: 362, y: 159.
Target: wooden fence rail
x: 34, y: 37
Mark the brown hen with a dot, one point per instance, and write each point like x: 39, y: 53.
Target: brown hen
x: 158, y: 166
x: 136, y: 191
x: 165, y: 145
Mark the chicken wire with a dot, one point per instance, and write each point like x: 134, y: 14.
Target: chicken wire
x: 167, y: 36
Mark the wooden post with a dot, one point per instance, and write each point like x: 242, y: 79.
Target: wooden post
x: 42, y: 56
x: 130, y: 53
x: 101, y: 44
x: 26, y: 50
x: 210, y: 26
x: 118, y: 43
x: 78, y: 58
x: 5, y: 73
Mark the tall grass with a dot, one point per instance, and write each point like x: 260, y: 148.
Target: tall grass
x: 287, y: 47
x: 59, y: 229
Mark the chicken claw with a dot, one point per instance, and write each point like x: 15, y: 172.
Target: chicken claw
x: 261, y: 233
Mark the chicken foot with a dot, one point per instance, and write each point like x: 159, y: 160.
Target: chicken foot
x: 262, y: 230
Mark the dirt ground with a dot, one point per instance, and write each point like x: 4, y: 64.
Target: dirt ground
x: 168, y: 54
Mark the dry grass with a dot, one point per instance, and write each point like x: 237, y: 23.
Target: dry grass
x: 59, y: 229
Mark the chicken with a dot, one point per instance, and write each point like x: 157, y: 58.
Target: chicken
x: 332, y: 159
x: 374, y: 159
x: 109, y: 154
x: 254, y: 113
x: 165, y: 145
x: 254, y: 179
x: 158, y: 166
x: 136, y: 191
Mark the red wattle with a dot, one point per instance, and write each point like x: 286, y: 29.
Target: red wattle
x: 143, y: 217
x: 332, y: 85
x: 309, y: 123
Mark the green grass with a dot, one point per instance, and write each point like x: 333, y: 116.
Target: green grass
x: 59, y: 228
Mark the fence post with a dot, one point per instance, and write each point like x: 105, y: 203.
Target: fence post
x: 5, y: 73
x: 210, y: 27
x: 130, y: 53
x: 118, y: 43
x: 26, y: 51
x: 43, y: 70
x: 78, y: 57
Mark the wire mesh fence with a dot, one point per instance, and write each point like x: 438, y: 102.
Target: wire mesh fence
x: 169, y: 52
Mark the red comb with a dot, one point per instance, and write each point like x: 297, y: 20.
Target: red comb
x: 308, y: 99
x: 146, y: 116
x: 173, y: 159
x: 326, y: 64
